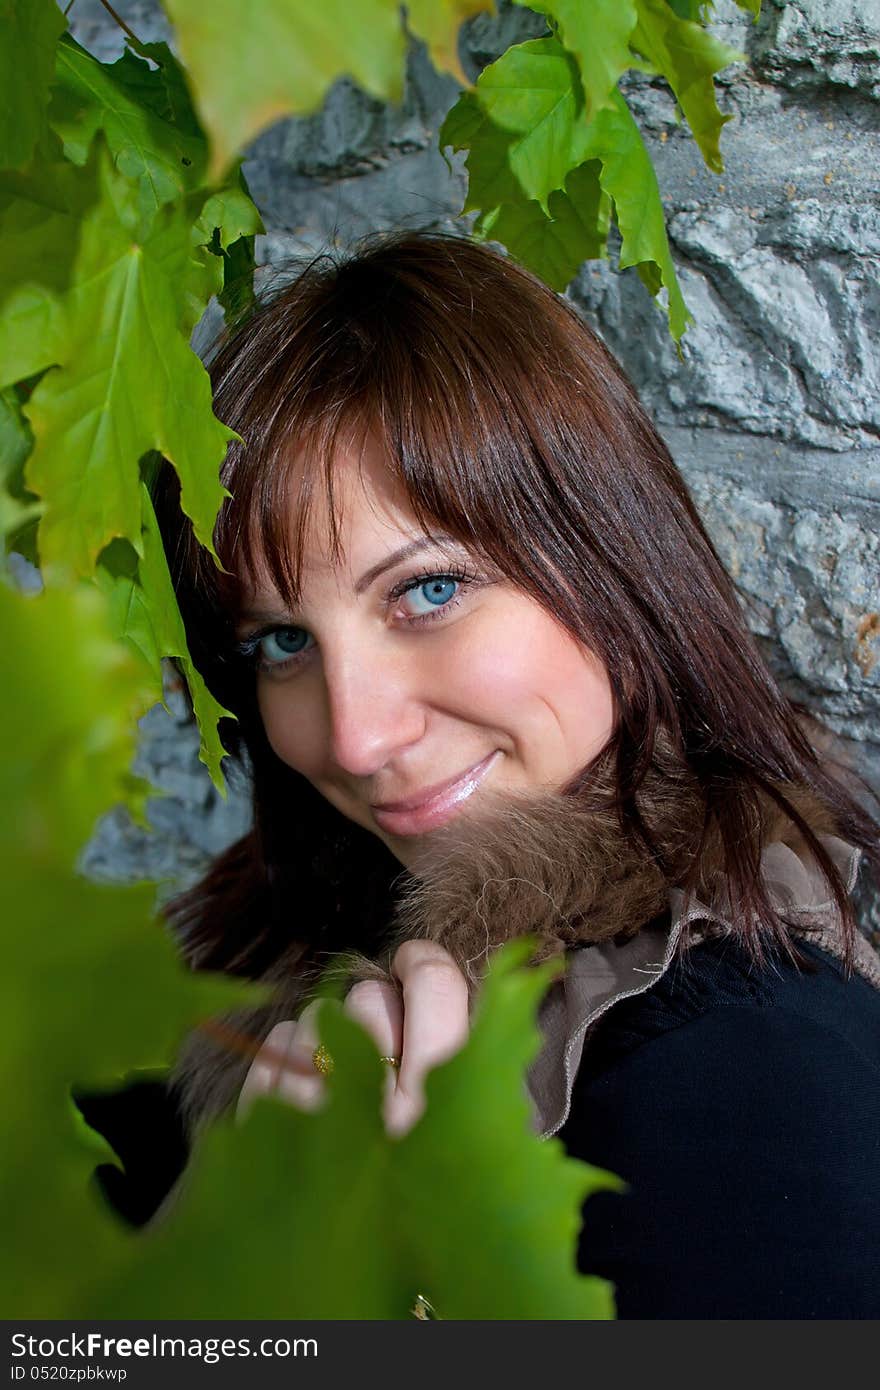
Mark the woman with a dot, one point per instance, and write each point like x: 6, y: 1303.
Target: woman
x: 492, y: 678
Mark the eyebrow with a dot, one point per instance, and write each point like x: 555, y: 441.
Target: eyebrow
x: 397, y: 557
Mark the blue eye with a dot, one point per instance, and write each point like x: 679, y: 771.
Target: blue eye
x: 283, y: 643
x: 433, y: 595
x: 434, y: 592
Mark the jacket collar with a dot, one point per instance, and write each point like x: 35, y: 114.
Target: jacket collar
x: 599, y: 976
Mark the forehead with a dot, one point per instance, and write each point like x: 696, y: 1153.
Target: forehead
x: 365, y: 503
x: 338, y: 517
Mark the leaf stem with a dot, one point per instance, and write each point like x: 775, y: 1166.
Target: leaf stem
x: 121, y: 22
x: 70, y: 6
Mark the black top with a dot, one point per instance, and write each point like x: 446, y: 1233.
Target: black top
x: 741, y: 1107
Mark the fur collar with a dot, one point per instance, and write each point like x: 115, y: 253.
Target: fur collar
x: 556, y: 866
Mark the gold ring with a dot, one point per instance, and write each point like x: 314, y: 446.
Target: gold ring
x: 391, y: 1062
x: 322, y: 1061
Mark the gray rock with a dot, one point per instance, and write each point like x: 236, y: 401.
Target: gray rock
x: 415, y: 189
x: 819, y: 42
x: 189, y: 822
x: 786, y: 304
x: 485, y: 37
x: 25, y: 576
x: 806, y: 561
x: 353, y: 133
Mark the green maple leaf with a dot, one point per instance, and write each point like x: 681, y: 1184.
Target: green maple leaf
x: 17, y: 509
x: 523, y: 126
x: 598, y: 34
x: 231, y: 213
x: 126, y: 381
x: 93, y: 991
x: 629, y: 180
x: 153, y: 139
x: 41, y: 212
x: 144, y: 612
x: 92, y: 987
x: 174, y: 102
x: 237, y: 295
x: 249, y: 66
x: 124, y: 291
x: 688, y: 57
x: 147, y: 118
x: 527, y: 135
x: 228, y: 223
x: 555, y: 244
x: 335, y: 1219
x: 53, y: 726
x: 30, y: 31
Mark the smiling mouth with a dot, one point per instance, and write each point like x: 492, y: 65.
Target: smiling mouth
x: 413, y: 818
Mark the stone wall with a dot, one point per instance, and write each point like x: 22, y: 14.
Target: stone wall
x: 772, y: 409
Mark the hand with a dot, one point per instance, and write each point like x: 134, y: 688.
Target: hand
x: 425, y: 1026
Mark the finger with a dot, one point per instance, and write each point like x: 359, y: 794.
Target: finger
x: 265, y: 1070
x: 301, y: 1083
x: 435, y: 1020
x: 378, y: 1007
x: 284, y: 1066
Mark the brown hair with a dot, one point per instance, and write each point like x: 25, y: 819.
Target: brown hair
x: 511, y: 427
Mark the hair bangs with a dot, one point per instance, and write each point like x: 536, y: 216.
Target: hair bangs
x: 398, y: 364
x: 261, y: 532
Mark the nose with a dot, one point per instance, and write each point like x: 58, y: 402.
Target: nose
x: 374, y: 708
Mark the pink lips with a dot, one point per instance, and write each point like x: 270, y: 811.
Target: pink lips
x: 425, y: 812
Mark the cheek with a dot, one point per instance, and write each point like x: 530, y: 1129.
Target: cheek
x: 292, y: 734
x: 583, y: 705
x: 487, y: 667
x: 526, y: 669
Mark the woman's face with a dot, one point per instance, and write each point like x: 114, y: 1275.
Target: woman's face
x: 412, y: 688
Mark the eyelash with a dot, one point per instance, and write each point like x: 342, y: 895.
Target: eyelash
x: 249, y: 648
